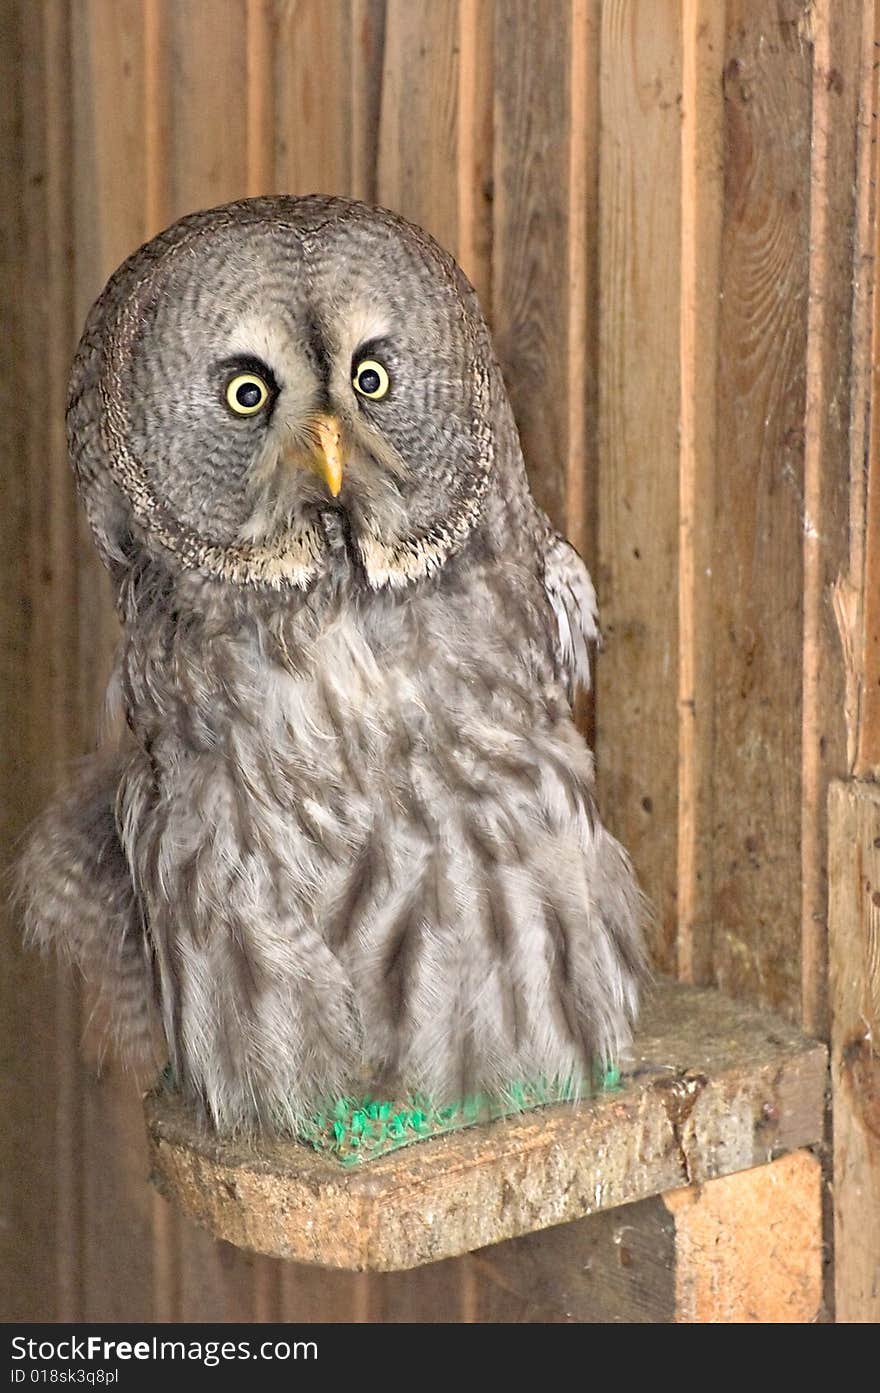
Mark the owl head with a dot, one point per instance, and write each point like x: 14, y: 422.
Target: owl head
x: 280, y: 385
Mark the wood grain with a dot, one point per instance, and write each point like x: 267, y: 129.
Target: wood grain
x: 434, y: 156
x: 868, y: 582
x: 418, y: 133
x: 109, y: 102
x: 27, y: 1261
x: 854, y: 873
x: 741, y: 1249
x: 313, y: 121
x: 48, y: 1027
x: 608, y: 1268
x: 436, y: 1294
x: 702, y: 176
x: 207, y: 104
x: 476, y: 145
x: 367, y: 49
x: 757, y: 553
x: 530, y: 289
x: 639, y: 406
x: 837, y: 54
x: 749, y: 1247
x: 581, y: 472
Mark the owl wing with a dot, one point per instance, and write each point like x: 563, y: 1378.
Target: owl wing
x: 75, y: 890
x: 573, y: 601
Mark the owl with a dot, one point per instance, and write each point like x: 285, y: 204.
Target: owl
x: 343, y: 826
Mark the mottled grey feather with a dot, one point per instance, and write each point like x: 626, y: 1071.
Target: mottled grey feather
x: 573, y: 599
x: 76, y: 894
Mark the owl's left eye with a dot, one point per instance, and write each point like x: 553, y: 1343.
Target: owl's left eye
x: 247, y: 393
x: 371, y: 379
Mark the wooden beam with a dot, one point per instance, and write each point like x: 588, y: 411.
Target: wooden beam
x: 714, y: 1088
x: 637, y: 578
x: 754, y: 834
x: 418, y: 139
x: 52, y: 1115
x: 110, y: 204
x: 867, y: 464
x: 702, y: 183
x: 741, y: 1249
x: 533, y: 311
x: 854, y: 924
x: 837, y: 40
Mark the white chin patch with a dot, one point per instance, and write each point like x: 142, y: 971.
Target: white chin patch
x: 399, y: 563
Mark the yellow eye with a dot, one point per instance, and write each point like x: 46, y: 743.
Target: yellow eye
x: 246, y: 394
x: 370, y: 379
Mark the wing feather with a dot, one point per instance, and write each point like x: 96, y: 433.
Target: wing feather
x: 573, y: 601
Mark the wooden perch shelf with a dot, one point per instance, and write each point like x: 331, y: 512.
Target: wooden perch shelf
x: 713, y: 1087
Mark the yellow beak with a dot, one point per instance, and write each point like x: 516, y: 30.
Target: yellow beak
x: 328, y: 452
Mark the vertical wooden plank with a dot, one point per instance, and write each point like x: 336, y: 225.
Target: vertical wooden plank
x: 743, y: 1248
x: 475, y: 145
x: 367, y: 59
x: 530, y: 284
x: 207, y: 104
x: 757, y: 552
x: 639, y: 405
x: 749, y: 1246
x: 418, y: 140
x: 848, y: 595
x: 435, y: 138
x: 217, y: 1282
x: 156, y: 136
x: 109, y: 108
x: 837, y: 42
x: 27, y: 1189
x: 54, y: 527
x: 314, y: 94
x: 701, y: 202
x: 110, y: 116
x: 14, y: 648
x: 42, y: 1015
x: 582, y: 388
x: 62, y: 629
x: 854, y: 926
x: 261, y: 41
x: 860, y: 608
x: 436, y: 1294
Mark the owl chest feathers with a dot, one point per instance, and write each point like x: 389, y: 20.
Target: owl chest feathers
x: 400, y: 827
x: 295, y: 736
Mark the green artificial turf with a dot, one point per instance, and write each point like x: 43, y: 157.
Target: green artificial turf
x: 358, y: 1129
x: 355, y: 1130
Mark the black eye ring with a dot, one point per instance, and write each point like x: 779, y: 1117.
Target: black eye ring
x: 247, y: 393
x: 371, y: 379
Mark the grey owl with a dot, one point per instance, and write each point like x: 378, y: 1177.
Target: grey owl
x: 347, y: 828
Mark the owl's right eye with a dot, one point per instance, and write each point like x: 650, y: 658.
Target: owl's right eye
x: 247, y: 393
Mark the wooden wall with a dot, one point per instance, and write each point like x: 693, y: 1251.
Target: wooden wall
x: 655, y: 200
